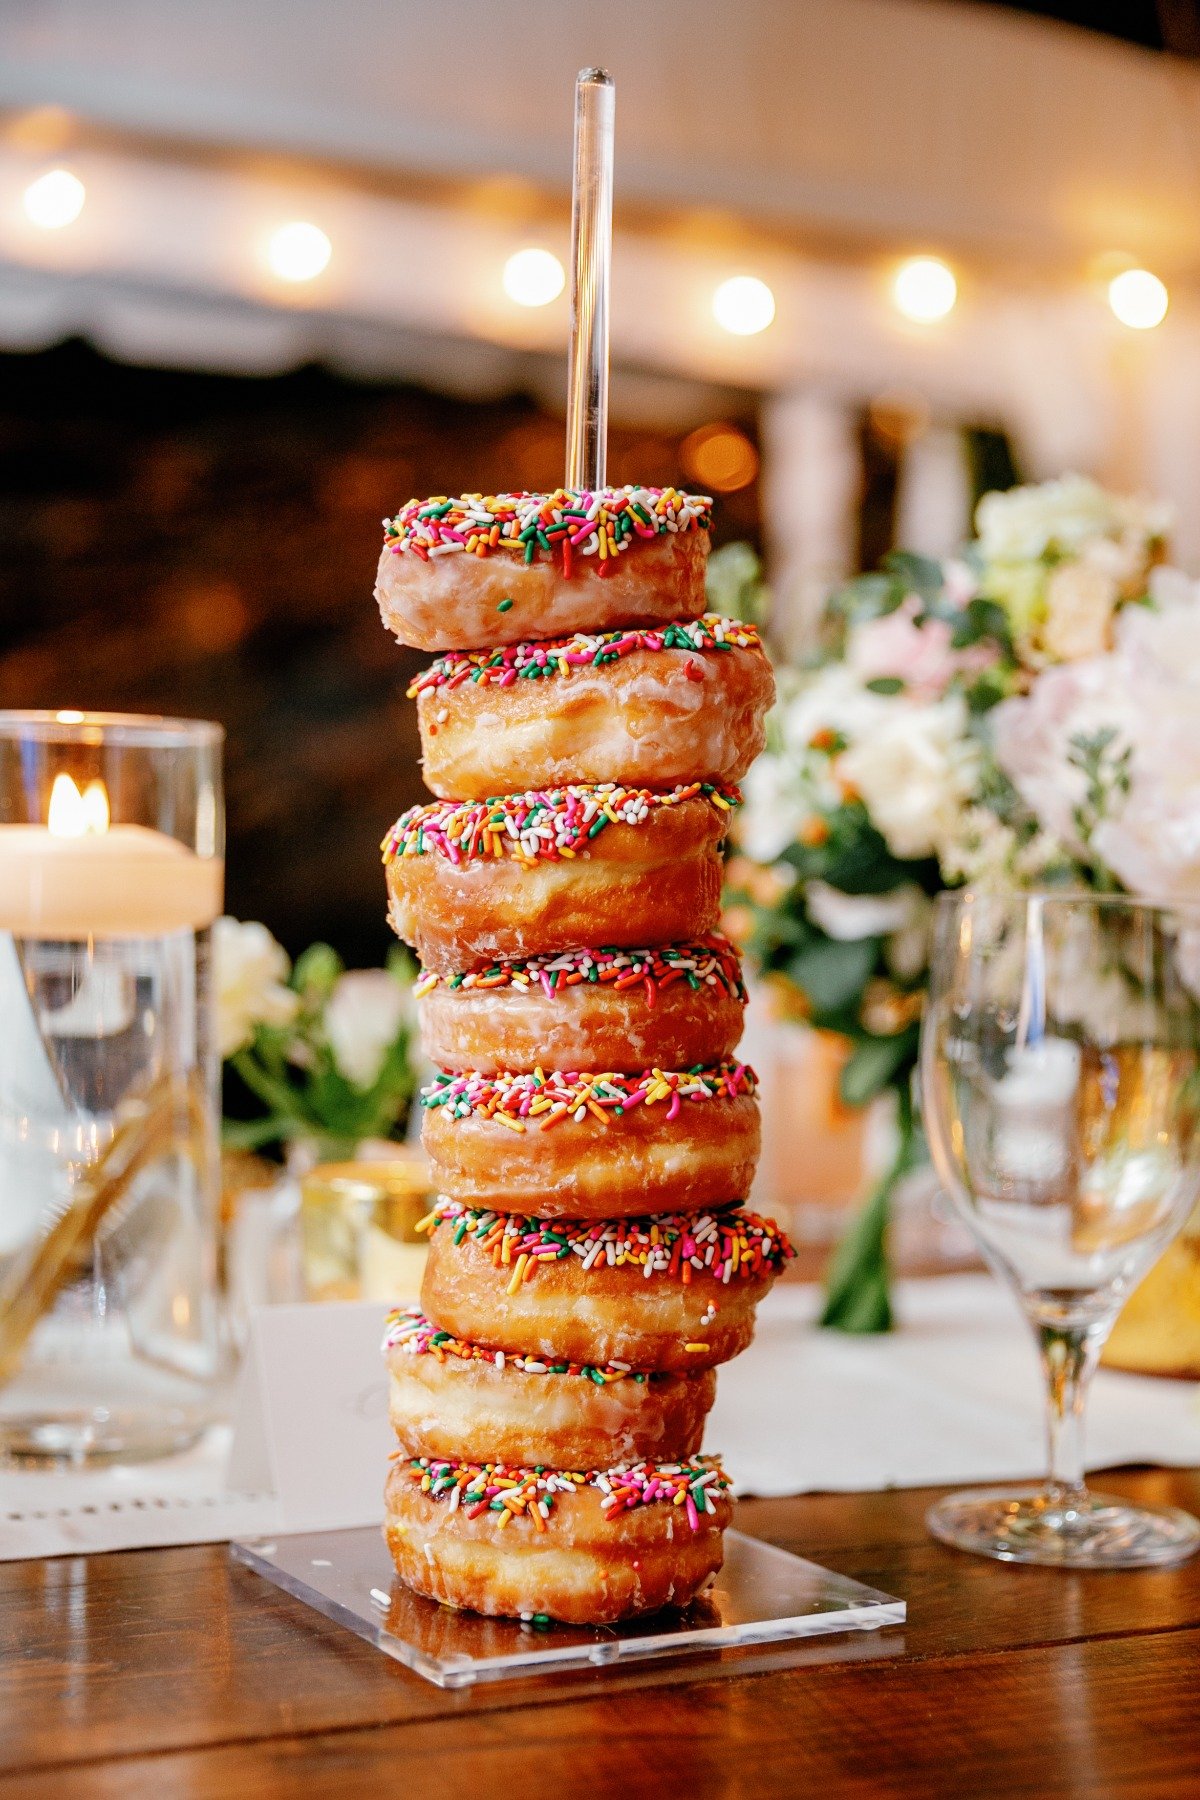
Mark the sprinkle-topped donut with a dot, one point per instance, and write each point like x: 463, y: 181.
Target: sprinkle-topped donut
x: 646, y: 706
x: 507, y: 663
x: 662, y: 1140
x: 409, y: 1330
x: 536, y: 1101
x: 670, y: 1007
x: 449, y: 1396
x: 481, y: 569
x: 712, y: 962
x: 509, y: 1493
x: 569, y: 523
x: 536, y: 826
x: 728, y: 1246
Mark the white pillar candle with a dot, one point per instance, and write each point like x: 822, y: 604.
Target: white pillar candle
x: 78, y: 876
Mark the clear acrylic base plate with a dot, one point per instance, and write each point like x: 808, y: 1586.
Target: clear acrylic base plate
x: 763, y: 1597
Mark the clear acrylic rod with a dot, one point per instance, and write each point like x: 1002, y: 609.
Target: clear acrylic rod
x: 591, y: 258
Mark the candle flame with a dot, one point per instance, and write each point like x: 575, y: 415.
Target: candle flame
x: 74, y: 814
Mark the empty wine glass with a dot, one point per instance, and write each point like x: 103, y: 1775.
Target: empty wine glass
x: 1061, y: 1098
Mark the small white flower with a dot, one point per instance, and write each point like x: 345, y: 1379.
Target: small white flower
x: 251, y: 969
x: 363, y: 1018
x: 849, y: 916
x: 915, y: 772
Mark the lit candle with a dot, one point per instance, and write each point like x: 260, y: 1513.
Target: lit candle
x: 78, y: 876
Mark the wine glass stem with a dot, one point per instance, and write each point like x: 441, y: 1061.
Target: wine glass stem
x: 1069, y: 1356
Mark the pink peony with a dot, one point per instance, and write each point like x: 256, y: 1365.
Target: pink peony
x: 920, y: 656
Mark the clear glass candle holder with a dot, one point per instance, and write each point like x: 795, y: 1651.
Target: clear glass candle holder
x: 111, y: 875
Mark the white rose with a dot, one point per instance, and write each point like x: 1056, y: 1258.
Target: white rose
x: 773, y: 809
x: 363, y: 1018
x: 250, y: 970
x: 849, y: 916
x: 914, y: 772
x: 834, y: 699
x: 1080, y: 600
x: 901, y: 916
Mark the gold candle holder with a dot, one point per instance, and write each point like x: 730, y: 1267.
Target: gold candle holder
x: 358, y: 1232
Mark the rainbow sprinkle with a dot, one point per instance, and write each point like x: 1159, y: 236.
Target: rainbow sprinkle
x: 709, y: 962
x: 408, y: 1329
x: 727, y: 1246
x: 536, y: 1099
x: 558, y: 656
x: 536, y: 826
x: 569, y: 523
x: 510, y: 1492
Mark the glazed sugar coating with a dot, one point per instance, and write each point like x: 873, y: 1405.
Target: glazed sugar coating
x: 495, y: 569
x: 669, y: 1007
x: 639, y: 707
x: 594, y: 1146
x: 452, y: 1398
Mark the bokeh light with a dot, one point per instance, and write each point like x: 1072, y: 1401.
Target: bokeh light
x: 54, y: 200
x: 924, y: 290
x: 299, y: 251
x: 533, y: 277
x: 719, y: 457
x: 1138, y: 299
x: 743, y: 305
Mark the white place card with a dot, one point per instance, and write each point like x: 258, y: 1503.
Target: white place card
x: 311, y: 1425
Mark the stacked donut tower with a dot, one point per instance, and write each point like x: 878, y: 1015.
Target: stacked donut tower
x: 591, y: 1133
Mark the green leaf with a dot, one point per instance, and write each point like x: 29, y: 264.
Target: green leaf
x: 832, y: 975
x: 316, y: 970
x: 868, y: 597
x: 921, y: 575
x: 857, y: 1296
x: 886, y: 684
x: 981, y: 619
x: 872, y: 1065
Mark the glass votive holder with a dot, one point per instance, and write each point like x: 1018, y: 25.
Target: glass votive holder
x: 358, y: 1233
x: 111, y: 875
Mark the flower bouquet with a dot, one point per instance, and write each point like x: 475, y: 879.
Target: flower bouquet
x: 1023, y: 713
x: 312, y: 1051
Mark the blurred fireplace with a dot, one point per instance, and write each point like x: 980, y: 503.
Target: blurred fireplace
x: 205, y: 545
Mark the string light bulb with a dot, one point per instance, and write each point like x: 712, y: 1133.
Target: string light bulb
x: 54, y: 200
x: 743, y: 305
x: 924, y: 290
x: 533, y: 277
x: 1138, y: 299
x: 299, y: 251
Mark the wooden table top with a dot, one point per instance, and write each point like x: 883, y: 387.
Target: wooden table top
x: 172, y: 1672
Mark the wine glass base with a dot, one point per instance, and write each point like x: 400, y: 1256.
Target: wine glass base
x: 1033, y: 1526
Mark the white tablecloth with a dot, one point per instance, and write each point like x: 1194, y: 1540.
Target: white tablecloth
x: 954, y: 1395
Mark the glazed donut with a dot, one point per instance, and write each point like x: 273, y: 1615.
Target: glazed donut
x: 501, y: 568
x: 680, y: 703
x: 656, y: 1293
x: 588, y: 1548
x: 453, y: 1398
x: 668, y: 1008
x: 594, y: 1146
x: 537, y: 873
